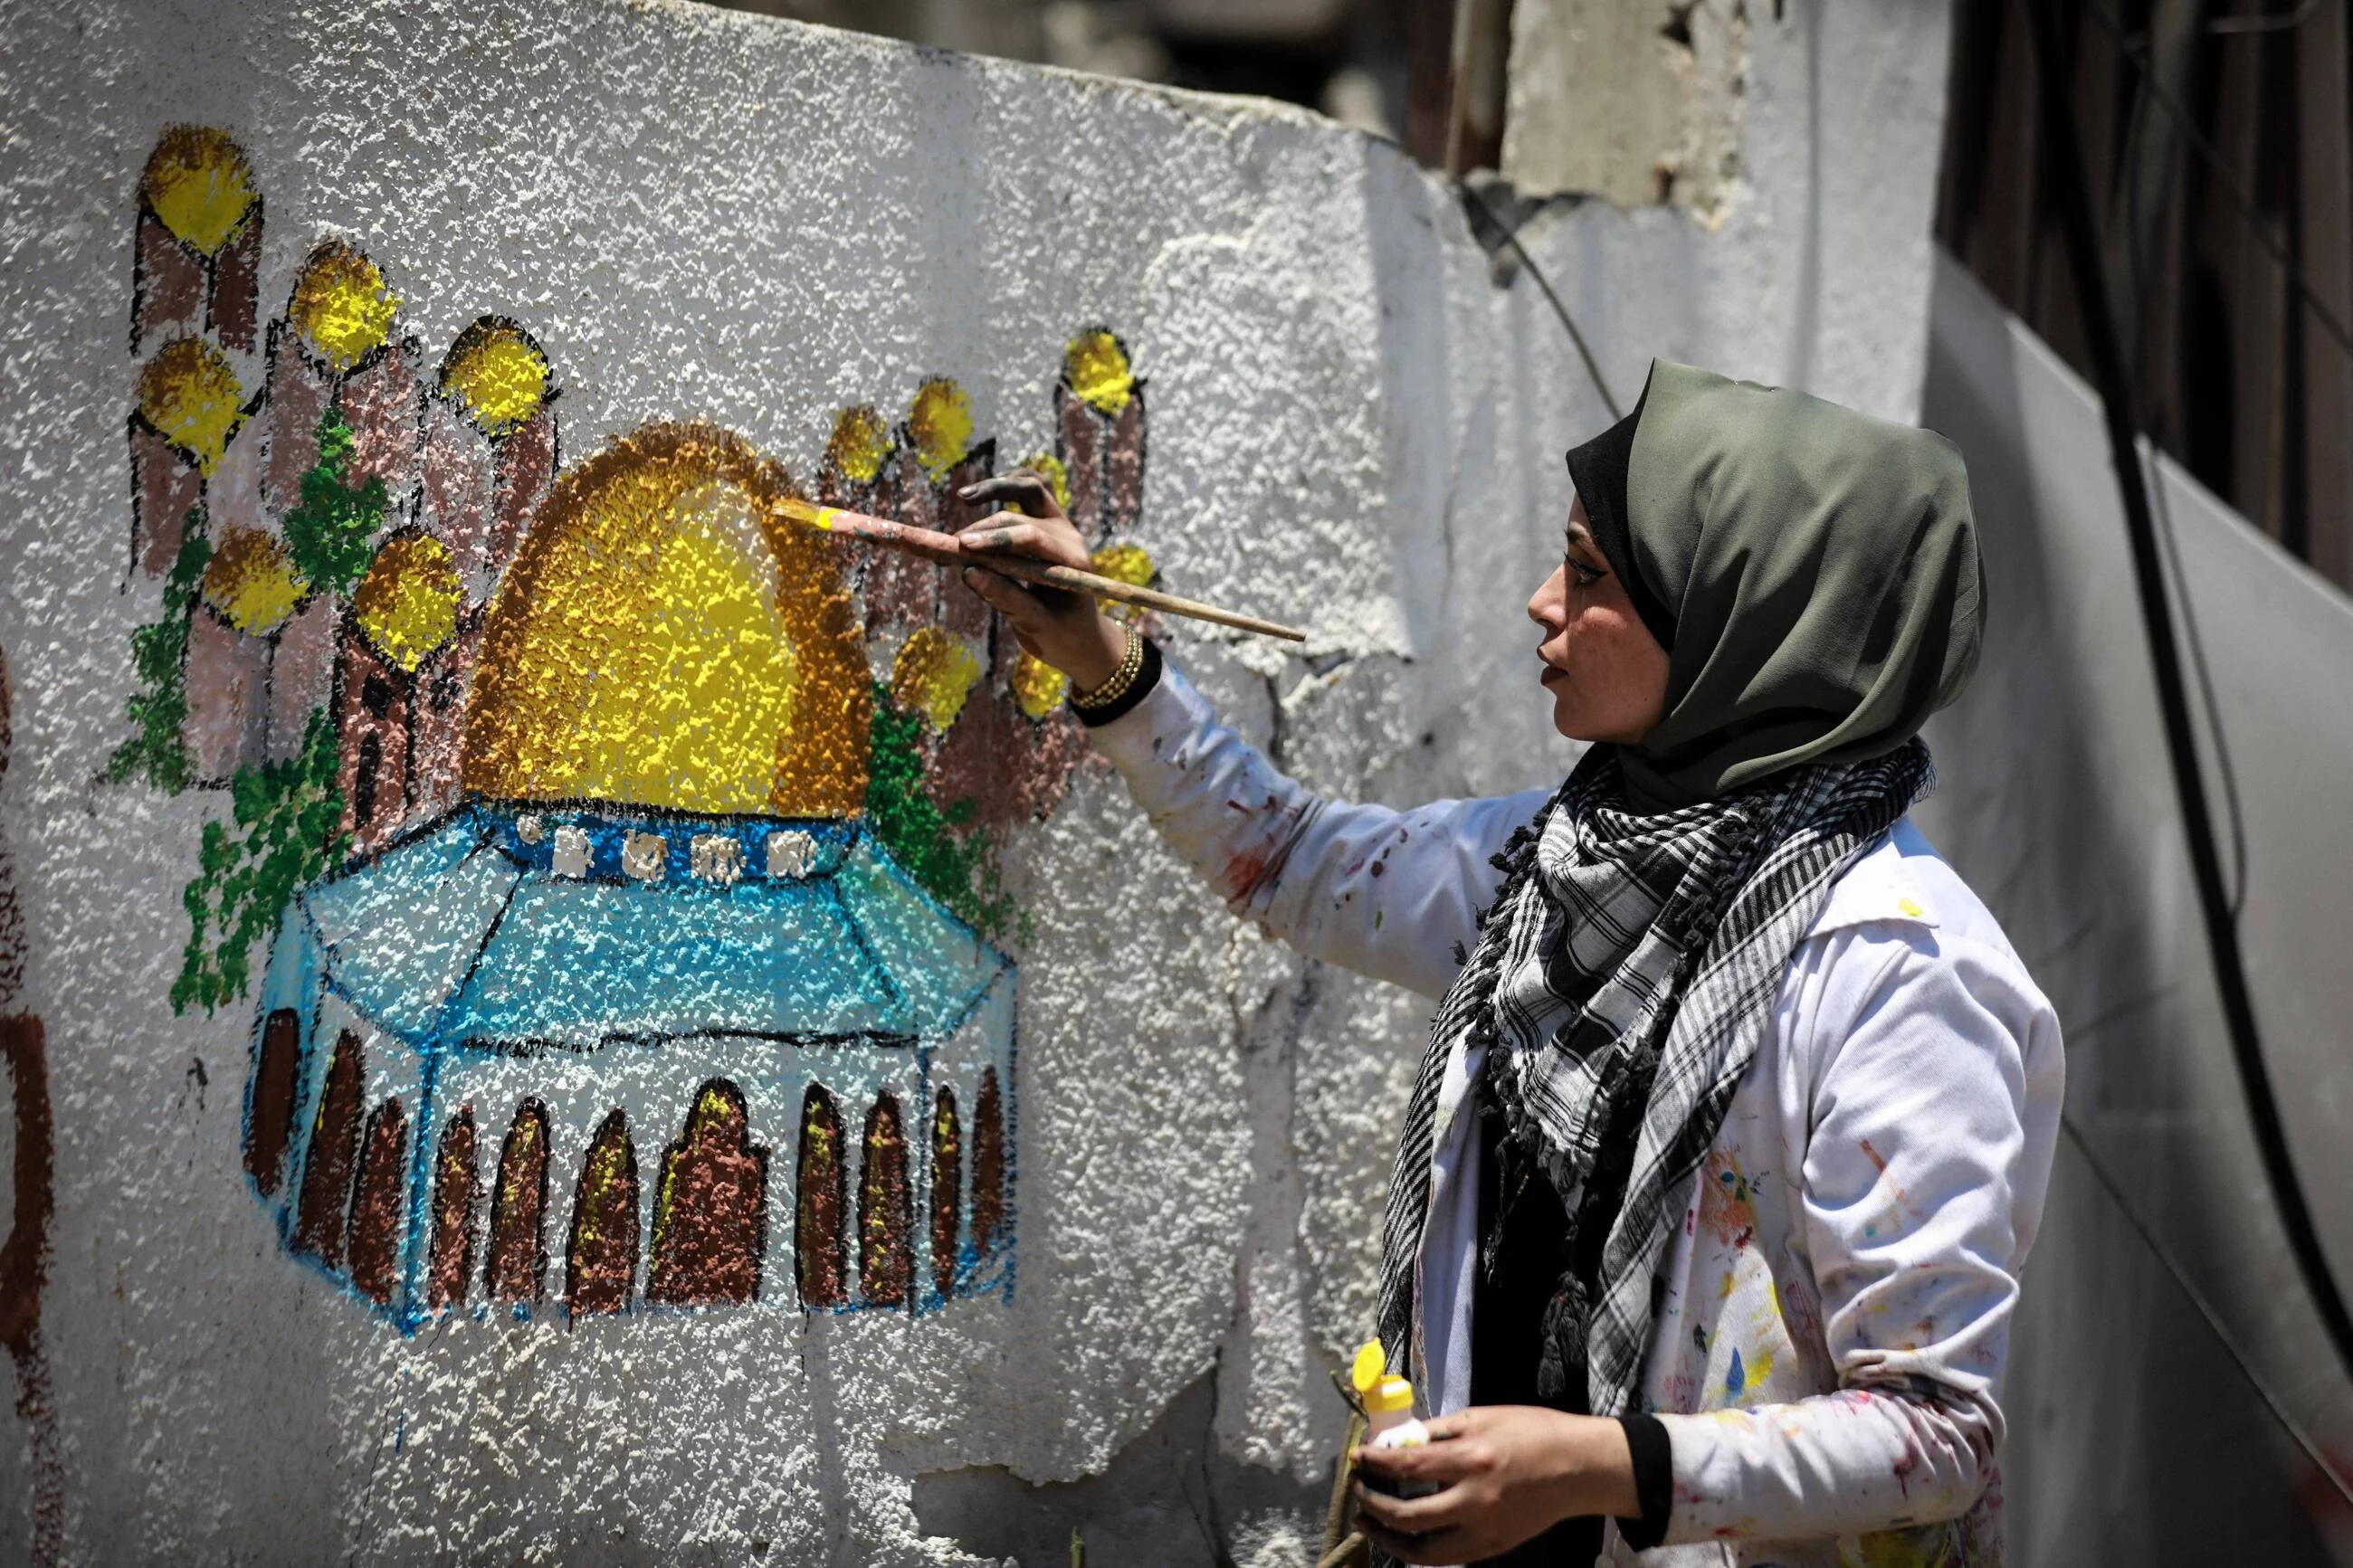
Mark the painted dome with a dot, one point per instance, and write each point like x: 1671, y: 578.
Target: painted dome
x: 666, y: 638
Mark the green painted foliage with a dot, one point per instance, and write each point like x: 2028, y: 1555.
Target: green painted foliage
x: 159, y: 655
x: 327, y: 532
x: 954, y: 860
x: 286, y: 835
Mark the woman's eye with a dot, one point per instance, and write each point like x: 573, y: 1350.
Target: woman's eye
x: 1585, y: 575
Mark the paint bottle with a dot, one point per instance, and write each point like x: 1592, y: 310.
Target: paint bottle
x: 1389, y: 1421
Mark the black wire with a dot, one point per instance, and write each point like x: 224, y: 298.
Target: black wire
x: 1513, y: 239
x: 2223, y: 766
x: 2223, y: 176
x: 2136, y: 260
x: 2205, y: 1309
x: 2054, y: 67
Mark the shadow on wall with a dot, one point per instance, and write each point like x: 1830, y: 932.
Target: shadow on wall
x: 1171, y: 1498
x: 531, y: 764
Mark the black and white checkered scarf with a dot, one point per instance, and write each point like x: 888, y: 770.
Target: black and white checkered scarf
x: 1621, y: 984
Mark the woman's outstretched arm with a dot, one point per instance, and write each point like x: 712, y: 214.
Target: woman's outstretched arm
x: 1383, y: 892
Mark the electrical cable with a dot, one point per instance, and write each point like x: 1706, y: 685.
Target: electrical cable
x: 2223, y: 766
x: 1512, y: 239
x: 2054, y: 67
x: 2288, y: 1190
x: 2205, y: 1309
x: 2324, y: 1292
x: 2137, y: 266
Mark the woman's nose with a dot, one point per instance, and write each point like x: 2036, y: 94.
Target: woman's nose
x: 1544, y: 605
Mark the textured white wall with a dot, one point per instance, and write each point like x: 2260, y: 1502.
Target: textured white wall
x: 1352, y: 425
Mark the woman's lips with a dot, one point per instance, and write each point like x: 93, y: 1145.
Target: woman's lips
x: 1551, y: 673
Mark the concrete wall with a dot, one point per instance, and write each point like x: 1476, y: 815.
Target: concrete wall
x: 599, y: 284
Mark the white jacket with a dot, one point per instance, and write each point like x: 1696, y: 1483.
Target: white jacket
x: 1830, y: 1349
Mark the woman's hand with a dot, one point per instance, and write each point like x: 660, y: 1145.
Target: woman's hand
x: 1067, y: 630
x: 1509, y: 1472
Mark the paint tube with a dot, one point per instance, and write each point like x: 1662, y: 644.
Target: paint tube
x: 1389, y: 1420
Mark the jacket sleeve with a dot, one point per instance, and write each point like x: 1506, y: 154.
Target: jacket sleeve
x: 1383, y: 892
x: 1935, y: 1073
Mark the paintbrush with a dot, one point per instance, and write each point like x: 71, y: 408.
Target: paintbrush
x: 942, y: 548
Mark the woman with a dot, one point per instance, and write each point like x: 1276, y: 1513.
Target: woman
x: 1735, y: 1124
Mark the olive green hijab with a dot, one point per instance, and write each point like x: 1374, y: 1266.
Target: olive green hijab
x: 1811, y: 572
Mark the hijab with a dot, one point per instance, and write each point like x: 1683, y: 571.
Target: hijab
x: 1813, y: 576
x: 1811, y: 572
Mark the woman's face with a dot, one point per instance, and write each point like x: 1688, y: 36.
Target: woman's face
x: 1607, y: 674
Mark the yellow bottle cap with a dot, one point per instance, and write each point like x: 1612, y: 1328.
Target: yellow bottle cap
x: 1372, y: 1365
x: 1381, y: 1393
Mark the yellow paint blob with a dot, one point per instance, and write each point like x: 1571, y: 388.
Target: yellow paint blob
x: 933, y: 674
x: 668, y: 637
x: 199, y: 184
x: 940, y: 424
x: 407, y: 603
x: 1038, y: 687
x: 250, y: 582
x: 1052, y: 470
x: 189, y: 392
x: 340, y: 307
x: 859, y: 443
x: 497, y: 373
x: 1099, y: 372
x: 1129, y: 563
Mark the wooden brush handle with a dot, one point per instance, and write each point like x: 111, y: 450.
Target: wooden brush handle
x: 942, y: 548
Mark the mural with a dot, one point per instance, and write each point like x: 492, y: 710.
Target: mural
x: 594, y: 835
x: 32, y: 1200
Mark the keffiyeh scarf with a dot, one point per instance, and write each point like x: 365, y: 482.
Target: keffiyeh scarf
x: 1621, y: 984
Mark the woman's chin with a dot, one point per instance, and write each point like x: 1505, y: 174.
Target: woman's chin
x: 1581, y: 727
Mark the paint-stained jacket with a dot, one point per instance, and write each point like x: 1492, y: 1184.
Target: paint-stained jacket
x: 1831, y: 1341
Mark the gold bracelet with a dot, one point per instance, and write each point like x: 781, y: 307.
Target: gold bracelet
x: 1130, y: 664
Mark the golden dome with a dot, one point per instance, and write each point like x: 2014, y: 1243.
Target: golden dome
x: 340, y: 307
x: 200, y: 185
x: 1099, y: 371
x: 1055, y: 472
x: 667, y: 639
x: 189, y: 392
x: 940, y: 422
x: 933, y: 674
x: 407, y: 605
x: 1038, y: 687
x: 497, y: 373
x: 859, y: 444
x: 250, y: 580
